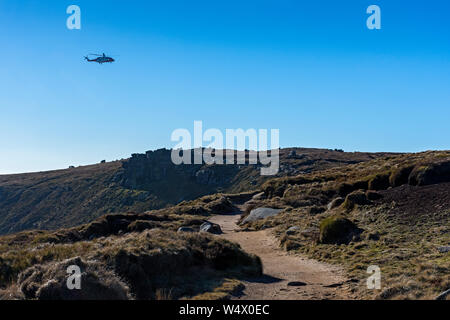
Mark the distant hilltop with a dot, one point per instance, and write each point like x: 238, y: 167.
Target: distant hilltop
x: 65, y: 198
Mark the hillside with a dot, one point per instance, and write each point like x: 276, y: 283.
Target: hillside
x: 391, y: 211
x: 66, y: 198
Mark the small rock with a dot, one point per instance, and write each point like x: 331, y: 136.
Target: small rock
x: 185, y: 229
x: 335, y: 203
x: 444, y: 249
x: 292, y: 230
x: 334, y: 285
x: 258, y: 196
x: 296, y: 284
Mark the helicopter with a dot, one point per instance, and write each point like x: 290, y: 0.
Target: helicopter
x: 101, y: 58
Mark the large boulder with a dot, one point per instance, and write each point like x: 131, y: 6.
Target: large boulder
x: 210, y: 228
x: 261, y: 213
x: 337, y: 230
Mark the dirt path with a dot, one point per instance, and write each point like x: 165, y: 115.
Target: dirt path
x: 286, y: 276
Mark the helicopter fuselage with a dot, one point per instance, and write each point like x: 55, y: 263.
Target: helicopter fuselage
x: 102, y: 60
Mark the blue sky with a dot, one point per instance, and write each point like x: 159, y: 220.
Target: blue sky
x: 308, y: 68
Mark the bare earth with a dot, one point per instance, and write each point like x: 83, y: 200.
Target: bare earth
x: 281, y: 268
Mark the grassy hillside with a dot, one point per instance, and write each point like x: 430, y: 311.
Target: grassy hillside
x: 66, y: 198
x: 355, y: 210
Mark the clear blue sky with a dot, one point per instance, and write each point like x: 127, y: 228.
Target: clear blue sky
x: 309, y: 68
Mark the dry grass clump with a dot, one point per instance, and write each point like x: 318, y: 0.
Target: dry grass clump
x: 337, y: 230
x: 151, y: 264
x: 49, y: 282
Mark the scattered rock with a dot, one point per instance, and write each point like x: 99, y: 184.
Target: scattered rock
x: 444, y: 249
x: 334, y: 285
x: 335, y: 203
x: 340, y: 284
x: 185, y: 229
x: 292, y: 230
x: 296, y: 284
x: 210, y: 228
x: 258, y: 196
x: 352, y: 280
x: 261, y: 213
